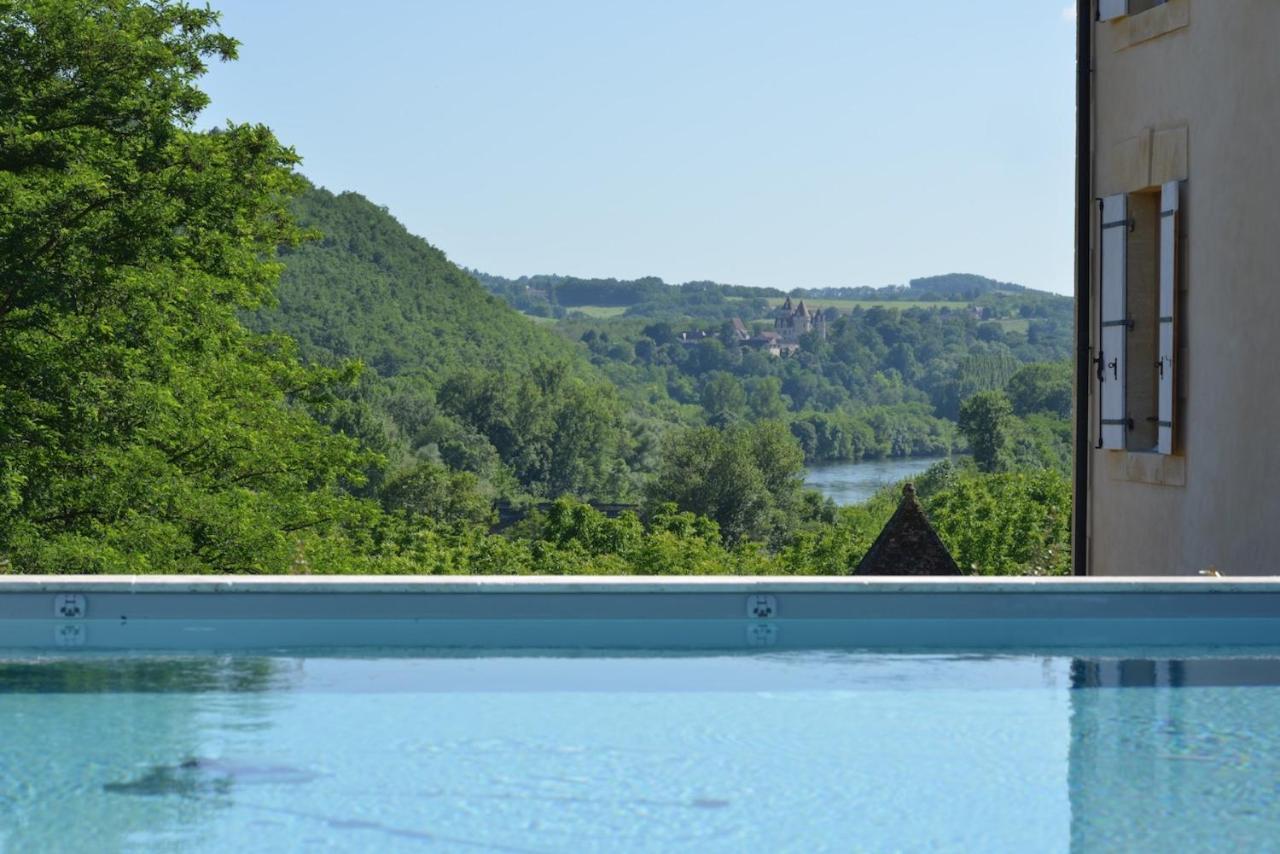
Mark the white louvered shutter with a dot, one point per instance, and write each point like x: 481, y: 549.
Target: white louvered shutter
x: 1108, y: 9
x: 1165, y: 366
x: 1114, y: 316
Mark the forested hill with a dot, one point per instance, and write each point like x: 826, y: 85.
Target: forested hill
x: 951, y: 286
x: 452, y: 375
x: 564, y: 296
x: 886, y: 373
x: 366, y: 288
x: 557, y: 296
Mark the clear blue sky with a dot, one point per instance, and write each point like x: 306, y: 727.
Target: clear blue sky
x: 803, y: 143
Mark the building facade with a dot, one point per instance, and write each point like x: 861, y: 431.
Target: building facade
x: 1178, y: 302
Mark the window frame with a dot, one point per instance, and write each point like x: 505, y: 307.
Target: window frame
x: 1110, y: 10
x: 1116, y: 367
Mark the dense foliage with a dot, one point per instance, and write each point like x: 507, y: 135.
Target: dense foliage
x: 452, y: 375
x: 883, y: 381
x: 747, y: 479
x: 142, y: 425
x: 366, y: 288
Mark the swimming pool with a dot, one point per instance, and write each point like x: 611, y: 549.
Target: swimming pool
x: 197, y: 728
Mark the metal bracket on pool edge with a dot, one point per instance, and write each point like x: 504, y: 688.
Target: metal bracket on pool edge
x: 70, y: 606
x: 761, y: 606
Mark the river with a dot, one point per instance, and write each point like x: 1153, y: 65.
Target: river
x: 853, y: 483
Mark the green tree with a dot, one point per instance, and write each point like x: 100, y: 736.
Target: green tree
x: 985, y: 421
x: 779, y: 458
x: 571, y: 524
x: 764, y: 397
x: 807, y: 437
x: 746, y: 479
x: 439, y: 493
x: 143, y: 426
x: 1012, y: 523
x: 558, y: 434
x: 1041, y: 388
x: 723, y: 398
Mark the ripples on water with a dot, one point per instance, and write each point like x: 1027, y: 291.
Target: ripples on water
x: 791, y: 750
x: 854, y: 483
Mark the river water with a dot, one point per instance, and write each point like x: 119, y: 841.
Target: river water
x: 853, y: 483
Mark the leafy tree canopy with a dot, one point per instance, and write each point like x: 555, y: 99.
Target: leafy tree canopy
x: 1041, y: 388
x: 984, y: 420
x: 746, y: 479
x: 141, y: 425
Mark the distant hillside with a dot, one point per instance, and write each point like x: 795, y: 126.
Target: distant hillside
x: 958, y: 287
x: 651, y: 297
x: 539, y: 409
x: 457, y: 375
x: 559, y: 296
x: 369, y: 289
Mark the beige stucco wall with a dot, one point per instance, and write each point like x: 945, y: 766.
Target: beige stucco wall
x: 1191, y: 90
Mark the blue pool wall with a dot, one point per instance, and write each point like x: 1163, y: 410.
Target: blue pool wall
x: 162, y: 612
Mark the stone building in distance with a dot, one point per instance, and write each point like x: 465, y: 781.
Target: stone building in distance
x: 792, y: 321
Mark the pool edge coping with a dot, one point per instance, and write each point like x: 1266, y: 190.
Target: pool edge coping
x: 435, y: 584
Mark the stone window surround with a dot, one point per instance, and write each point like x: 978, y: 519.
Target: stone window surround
x: 1138, y: 164
x: 1150, y: 24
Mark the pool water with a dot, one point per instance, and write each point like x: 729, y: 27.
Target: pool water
x: 771, y: 751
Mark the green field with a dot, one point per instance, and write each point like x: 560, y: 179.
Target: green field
x: 849, y: 304
x: 1015, y: 324
x: 599, y: 311
x: 609, y: 312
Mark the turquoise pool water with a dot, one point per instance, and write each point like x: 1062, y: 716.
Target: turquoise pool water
x: 767, y: 751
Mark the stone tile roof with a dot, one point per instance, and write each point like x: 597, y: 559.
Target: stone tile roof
x: 908, y: 545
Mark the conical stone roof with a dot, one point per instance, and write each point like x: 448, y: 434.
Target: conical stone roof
x: 908, y: 545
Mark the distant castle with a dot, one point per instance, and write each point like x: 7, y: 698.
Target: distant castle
x: 793, y: 321
x: 790, y: 322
